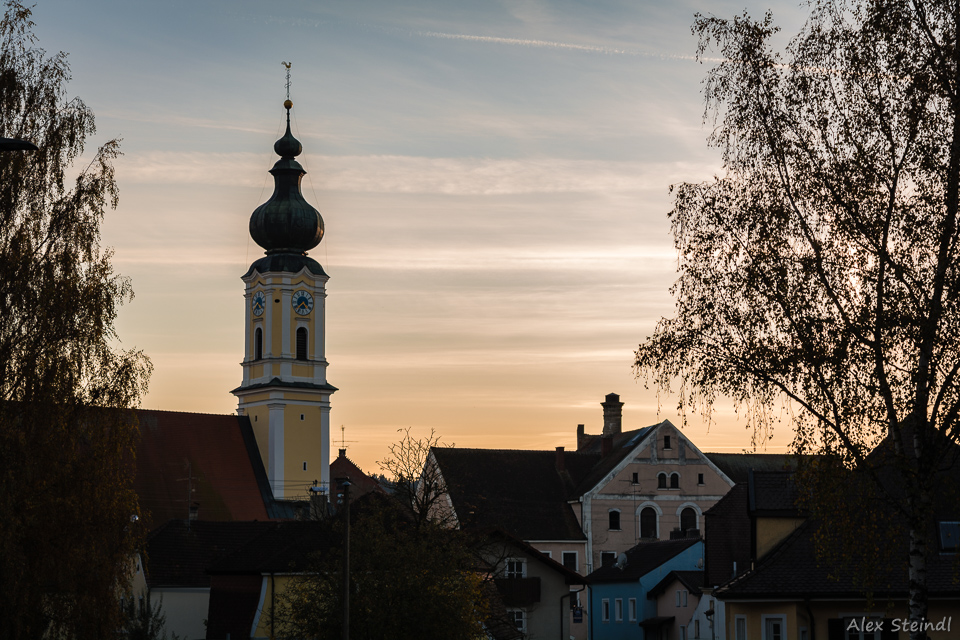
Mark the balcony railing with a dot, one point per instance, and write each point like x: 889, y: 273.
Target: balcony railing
x: 519, y: 592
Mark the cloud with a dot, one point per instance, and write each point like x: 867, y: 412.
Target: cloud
x: 587, y: 48
x: 413, y: 175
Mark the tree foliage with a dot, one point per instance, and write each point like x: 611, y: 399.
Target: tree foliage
x: 66, y: 447
x: 407, y: 581
x: 818, y: 277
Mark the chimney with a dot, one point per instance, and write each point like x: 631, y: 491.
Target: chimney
x: 343, y: 453
x: 606, y: 445
x: 580, y: 436
x: 561, y: 466
x: 612, y: 415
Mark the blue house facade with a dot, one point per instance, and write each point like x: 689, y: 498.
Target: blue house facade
x: 618, y: 592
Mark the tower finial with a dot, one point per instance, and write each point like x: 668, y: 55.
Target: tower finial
x: 287, y: 103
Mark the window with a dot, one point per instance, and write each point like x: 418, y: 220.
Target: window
x: 688, y: 519
x: 774, y: 627
x: 741, y: 628
x: 614, y: 520
x: 681, y: 597
x: 618, y: 609
x: 696, y: 628
x: 674, y: 480
x: 677, y: 603
x: 514, y: 568
x: 607, y: 558
x: 666, y: 442
x: 519, y: 618
x: 304, y: 465
x: 661, y: 481
x: 636, y: 478
x: 605, y: 610
x: 549, y: 554
x: 949, y: 535
x: 258, y: 344
x: 302, y: 343
x: 570, y: 560
x: 648, y: 523
x: 699, y: 478
x: 683, y: 632
x: 632, y: 609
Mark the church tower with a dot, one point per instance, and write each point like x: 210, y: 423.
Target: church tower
x: 285, y: 391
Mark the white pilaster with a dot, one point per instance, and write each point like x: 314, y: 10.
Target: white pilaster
x: 275, y: 456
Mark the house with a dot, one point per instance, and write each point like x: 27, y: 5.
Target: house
x: 587, y: 506
x: 678, y: 612
x: 531, y: 585
x: 245, y: 585
x: 619, y: 603
x: 180, y: 553
x: 774, y: 583
x: 584, y: 507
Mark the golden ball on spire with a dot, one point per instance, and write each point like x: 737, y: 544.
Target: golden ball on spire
x: 287, y: 104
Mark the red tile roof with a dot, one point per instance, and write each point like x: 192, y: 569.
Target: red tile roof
x: 219, y: 454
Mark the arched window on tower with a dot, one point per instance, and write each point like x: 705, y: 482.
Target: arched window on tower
x: 302, y: 343
x: 648, y: 523
x: 258, y: 344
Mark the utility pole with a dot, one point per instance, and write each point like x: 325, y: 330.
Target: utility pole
x: 346, y: 560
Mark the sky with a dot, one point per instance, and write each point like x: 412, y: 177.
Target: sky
x: 493, y: 178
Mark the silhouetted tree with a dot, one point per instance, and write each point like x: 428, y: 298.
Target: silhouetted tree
x: 66, y: 446
x: 819, y: 276
x: 417, y: 480
x: 407, y: 581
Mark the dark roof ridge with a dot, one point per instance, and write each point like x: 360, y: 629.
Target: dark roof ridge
x: 192, y: 413
x: 566, y: 451
x: 684, y: 577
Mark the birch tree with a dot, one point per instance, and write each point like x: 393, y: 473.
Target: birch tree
x: 818, y: 276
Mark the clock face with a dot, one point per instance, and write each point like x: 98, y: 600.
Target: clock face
x: 258, y: 303
x: 302, y: 302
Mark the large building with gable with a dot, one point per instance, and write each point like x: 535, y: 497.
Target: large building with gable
x: 587, y: 506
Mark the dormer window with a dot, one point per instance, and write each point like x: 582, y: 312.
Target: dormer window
x: 666, y: 442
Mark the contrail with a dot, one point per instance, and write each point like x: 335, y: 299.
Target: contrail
x: 559, y: 45
x: 614, y: 51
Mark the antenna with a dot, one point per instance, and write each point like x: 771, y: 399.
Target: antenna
x: 288, y: 65
x: 343, y: 437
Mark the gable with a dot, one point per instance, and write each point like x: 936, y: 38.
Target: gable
x: 650, y: 456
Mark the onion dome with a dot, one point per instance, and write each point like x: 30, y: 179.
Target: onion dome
x: 286, y: 223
